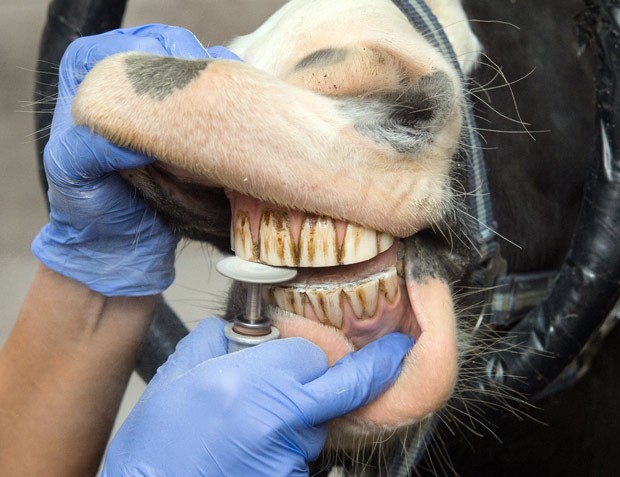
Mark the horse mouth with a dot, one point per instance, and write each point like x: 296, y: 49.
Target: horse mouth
x: 351, y: 289
x: 353, y: 286
x: 347, y: 275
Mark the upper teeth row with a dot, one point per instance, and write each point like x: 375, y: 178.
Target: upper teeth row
x: 316, y: 244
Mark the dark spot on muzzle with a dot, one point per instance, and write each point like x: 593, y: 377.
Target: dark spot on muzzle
x: 159, y: 76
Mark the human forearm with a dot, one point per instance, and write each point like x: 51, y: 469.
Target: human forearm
x: 63, y: 372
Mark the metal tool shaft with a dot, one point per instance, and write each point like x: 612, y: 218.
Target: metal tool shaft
x: 252, y: 328
x: 253, y: 304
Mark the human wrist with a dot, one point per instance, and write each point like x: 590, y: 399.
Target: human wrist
x: 63, y: 372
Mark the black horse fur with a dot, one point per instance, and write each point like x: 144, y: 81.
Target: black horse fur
x: 536, y: 114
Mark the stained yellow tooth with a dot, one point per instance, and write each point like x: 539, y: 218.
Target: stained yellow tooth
x: 327, y: 305
x: 284, y: 298
x: 388, y: 285
x: 368, y: 295
x: 384, y: 241
x: 334, y: 305
x: 277, y: 246
x: 292, y: 300
x: 318, y: 243
x: 316, y: 302
x: 299, y: 303
x: 241, y: 240
x: 359, y: 244
x: 363, y: 298
x: 354, y: 301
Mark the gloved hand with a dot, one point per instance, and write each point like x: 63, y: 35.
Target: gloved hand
x: 258, y: 412
x: 100, y: 232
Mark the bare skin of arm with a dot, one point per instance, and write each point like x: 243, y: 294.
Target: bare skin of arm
x: 63, y: 372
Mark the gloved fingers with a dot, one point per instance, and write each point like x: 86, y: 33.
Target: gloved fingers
x: 78, y: 157
x: 290, y: 360
x: 356, y: 379
x: 312, y: 442
x: 221, y: 53
x: 178, y: 42
x: 175, y: 41
x: 207, y: 341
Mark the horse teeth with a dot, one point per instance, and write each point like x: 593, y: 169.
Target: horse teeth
x: 241, y: 238
x: 276, y: 244
x: 281, y: 297
x: 328, y: 303
x: 327, y: 306
x: 364, y: 299
x: 318, y: 243
x: 313, y: 243
x: 388, y: 285
x: 288, y: 299
x: 335, y: 308
x: 384, y: 241
x: 299, y: 304
x: 358, y: 242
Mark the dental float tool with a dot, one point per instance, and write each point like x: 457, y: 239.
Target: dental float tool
x: 251, y: 328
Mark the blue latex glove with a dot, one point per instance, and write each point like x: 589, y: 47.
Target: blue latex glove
x: 258, y: 412
x: 100, y: 232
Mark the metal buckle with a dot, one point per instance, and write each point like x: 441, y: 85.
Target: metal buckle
x: 485, y: 277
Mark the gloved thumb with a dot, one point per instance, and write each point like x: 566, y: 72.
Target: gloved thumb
x: 356, y: 379
x: 206, y: 342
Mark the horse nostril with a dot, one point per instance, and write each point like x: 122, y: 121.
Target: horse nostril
x: 426, y: 103
x: 408, y: 118
x: 414, y: 116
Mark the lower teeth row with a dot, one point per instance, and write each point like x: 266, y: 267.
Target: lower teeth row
x: 327, y: 302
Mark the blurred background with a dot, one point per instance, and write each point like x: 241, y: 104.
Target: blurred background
x: 198, y: 290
